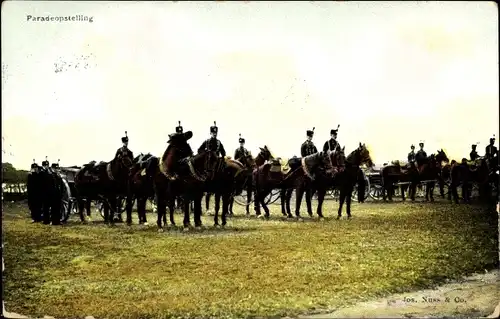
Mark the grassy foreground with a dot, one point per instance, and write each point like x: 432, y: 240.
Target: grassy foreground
x: 251, y: 268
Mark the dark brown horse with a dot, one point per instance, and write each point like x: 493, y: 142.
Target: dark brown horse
x: 179, y: 173
x: 393, y: 174
x: 272, y: 176
x: 466, y: 174
x: 429, y: 170
x: 316, y: 179
x: 347, y: 179
x: 250, y: 164
x: 105, y: 181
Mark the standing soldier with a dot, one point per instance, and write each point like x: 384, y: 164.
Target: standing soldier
x: 332, y: 144
x: 491, y: 154
x: 308, y: 147
x: 473, y: 154
x: 124, y: 151
x: 212, y: 144
x: 411, y: 156
x: 241, y: 152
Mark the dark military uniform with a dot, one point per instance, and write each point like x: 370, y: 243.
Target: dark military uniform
x: 411, y: 155
x: 491, y: 154
x: 421, y: 154
x: 331, y: 144
x: 124, y: 151
x: 241, y: 152
x: 308, y: 148
x: 473, y: 154
x: 213, y: 144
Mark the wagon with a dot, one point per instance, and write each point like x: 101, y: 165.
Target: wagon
x: 68, y: 201
x: 270, y: 199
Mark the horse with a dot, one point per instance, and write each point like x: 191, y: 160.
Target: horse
x: 272, y: 176
x: 428, y: 169
x: 346, y: 180
x: 316, y: 179
x: 140, y: 186
x: 250, y: 164
x: 180, y: 173
x: 107, y: 181
x: 466, y: 174
x: 45, y: 193
x: 392, y: 174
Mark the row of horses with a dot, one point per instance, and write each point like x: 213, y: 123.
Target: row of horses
x: 180, y: 174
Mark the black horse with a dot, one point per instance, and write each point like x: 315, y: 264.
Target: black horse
x: 105, y: 181
x: 347, y: 179
x: 140, y: 185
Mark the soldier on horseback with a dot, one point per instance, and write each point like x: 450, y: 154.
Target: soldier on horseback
x: 241, y: 152
x: 473, y: 153
x: 55, y: 166
x: 46, y: 164
x: 213, y: 144
x: 421, y: 154
x: 124, y: 151
x: 308, y: 147
x: 332, y: 143
x: 412, y: 156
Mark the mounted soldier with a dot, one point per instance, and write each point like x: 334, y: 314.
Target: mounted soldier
x: 124, y: 151
x: 421, y: 155
x: 473, y: 153
x: 179, y: 129
x: 241, y: 152
x: 46, y: 164
x: 55, y: 166
x: 412, y: 156
x: 213, y: 144
x: 491, y: 153
x: 308, y: 147
x: 332, y: 143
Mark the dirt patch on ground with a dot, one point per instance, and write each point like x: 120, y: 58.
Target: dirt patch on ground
x: 475, y: 296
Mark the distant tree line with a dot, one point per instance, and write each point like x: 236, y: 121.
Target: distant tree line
x: 13, y: 183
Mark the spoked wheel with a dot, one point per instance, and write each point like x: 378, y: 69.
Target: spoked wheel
x: 241, y: 199
x: 66, y: 202
x: 333, y: 193
x: 121, y: 208
x: 376, y: 192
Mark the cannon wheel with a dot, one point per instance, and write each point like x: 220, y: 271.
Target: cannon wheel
x: 242, y: 198
x: 66, y: 201
x: 121, y: 208
x: 376, y: 192
x: 273, y: 197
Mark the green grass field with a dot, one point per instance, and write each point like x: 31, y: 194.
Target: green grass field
x: 251, y: 268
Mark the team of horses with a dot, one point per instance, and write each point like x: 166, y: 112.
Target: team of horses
x: 184, y: 177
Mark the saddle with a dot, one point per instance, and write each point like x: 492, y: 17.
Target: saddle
x: 279, y: 165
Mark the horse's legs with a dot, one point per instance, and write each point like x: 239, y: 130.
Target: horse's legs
x: 431, y: 187
x: 225, y: 205
x: 299, y: 193
x: 171, y: 209
x: 263, y: 202
x: 129, y: 202
x: 141, y: 209
x: 81, y: 204
x: 283, y: 193
x: 105, y: 208
x: 231, y: 203
x: 453, y: 191
x: 185, y: 202
x: 441, y: 187
x: 309, y: 193
x: 403, y: 190
x: 217, y: 202
x: 348, y: 201
x: 342, y: 197
x: 207, y: 201
x: 249, y: 198
x: 216, y: 213
x: 321, y: 198
x: 197, y: 209
x: 289, y: 193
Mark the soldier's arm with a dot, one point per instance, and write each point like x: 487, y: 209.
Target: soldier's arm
x: 325, y: 147
x: 236, y: 154
x: 202, y: 147
x: 303, y: 150
x: 117, y: 152
x: 222, y: 150
x: 131, y: 154
x: 315, y: 149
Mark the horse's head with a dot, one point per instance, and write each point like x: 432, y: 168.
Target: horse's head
x: 265, y: 153
x: 248, y: 160
x: 441, y: 157
x: 124, y: 161
x: 364, y: 155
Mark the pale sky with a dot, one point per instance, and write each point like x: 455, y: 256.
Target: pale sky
x: 391, y: 74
